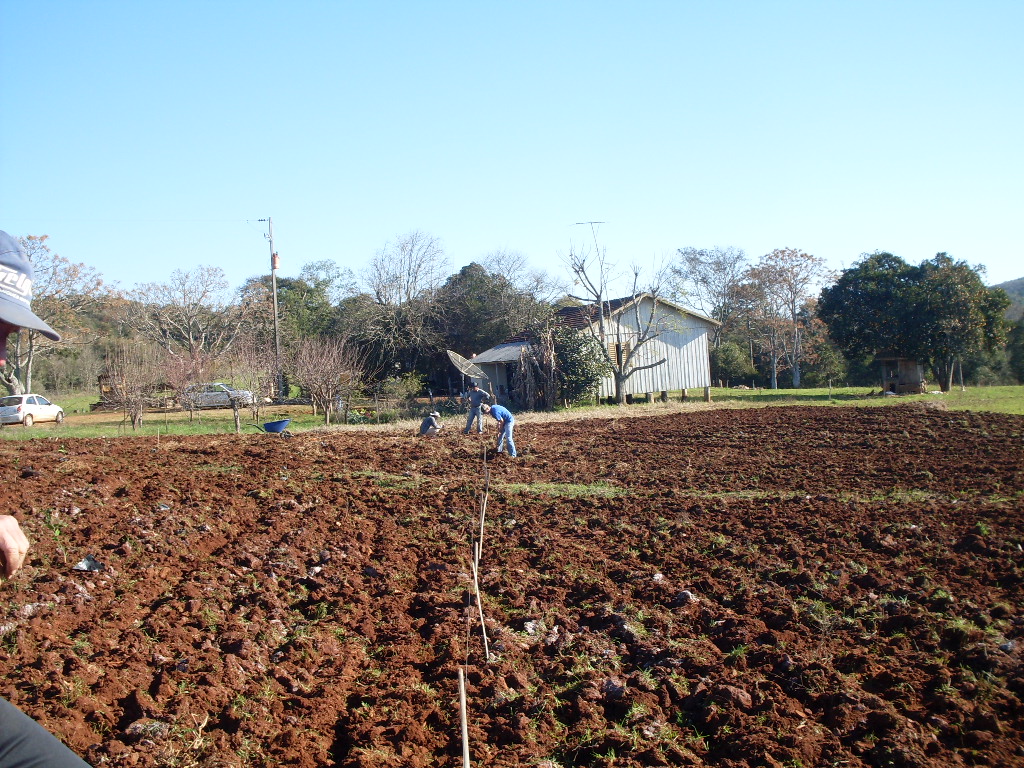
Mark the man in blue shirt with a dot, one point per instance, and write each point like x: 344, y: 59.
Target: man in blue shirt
x: 506, y: 421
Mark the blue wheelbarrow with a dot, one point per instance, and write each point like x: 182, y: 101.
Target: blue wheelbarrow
x: 279, y: 427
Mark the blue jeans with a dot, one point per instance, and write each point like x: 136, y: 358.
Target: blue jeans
x: 474, y: 413
x: 24, y: 743
x: 505, y: 438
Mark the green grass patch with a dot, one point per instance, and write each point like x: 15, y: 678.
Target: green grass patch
x: 996, y: 399
x: 221, y: 469
x: 565, y: 490
x: 387, y: 480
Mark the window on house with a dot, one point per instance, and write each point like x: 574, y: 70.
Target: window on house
x: 619, y: 351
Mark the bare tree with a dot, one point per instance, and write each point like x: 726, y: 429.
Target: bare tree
x: 515, y: 267
x: 62, y: 293
x: 256, y: 365
x: 330, y: 370
x: 405, y: 270
x: 403, y: 280
x: 622, y: 327
x: 182, y: 370
x: 191, y: 315
x: 787, y: 278
x: 709, y: 279
x: 132, y: 374
x: 766, y: 326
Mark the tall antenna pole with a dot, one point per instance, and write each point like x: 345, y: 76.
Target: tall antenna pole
x: 274, y: 264
x: 602, y: 278
x: 592, y: 232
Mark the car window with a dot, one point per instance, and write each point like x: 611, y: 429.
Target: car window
x: 30, y: 400
x: 42, y: 400
x: 7, y: 402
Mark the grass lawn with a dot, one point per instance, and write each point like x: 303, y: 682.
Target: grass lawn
x: 80, y: 421
x: 997, y: 399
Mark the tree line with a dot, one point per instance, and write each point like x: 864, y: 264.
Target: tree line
x: 787, y: 313
x: 385, y: 331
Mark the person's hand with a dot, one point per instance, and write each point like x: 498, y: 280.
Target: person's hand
x: 13, y: 545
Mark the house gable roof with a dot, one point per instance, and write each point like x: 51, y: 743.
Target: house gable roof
x: 582, y: 316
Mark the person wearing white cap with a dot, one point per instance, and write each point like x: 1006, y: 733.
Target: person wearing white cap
x: 431, y: 424
x: 23, y: 742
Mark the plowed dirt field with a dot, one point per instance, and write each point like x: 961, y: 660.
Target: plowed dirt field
x: 777, y: 587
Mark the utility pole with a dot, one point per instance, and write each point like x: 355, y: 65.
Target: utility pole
x: 274, y: 264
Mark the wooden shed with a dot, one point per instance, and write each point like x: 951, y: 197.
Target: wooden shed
x: 901, y: 375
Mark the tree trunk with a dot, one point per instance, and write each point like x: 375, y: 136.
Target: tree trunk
x: 12, y: 382
x: 944, y: 374
x: 796, y: 358
x: 620, y: 387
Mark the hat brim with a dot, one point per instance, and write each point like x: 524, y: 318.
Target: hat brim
x: 16, y: 314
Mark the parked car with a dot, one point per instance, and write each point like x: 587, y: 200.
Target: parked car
x: 28, y: 409
x: 215, y: 395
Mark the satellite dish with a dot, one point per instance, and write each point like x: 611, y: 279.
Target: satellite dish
x: 466, y: 367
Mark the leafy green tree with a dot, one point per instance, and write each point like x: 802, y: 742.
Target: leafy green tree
x: 825, y: 364
x: 963, y: 316
x: 304, y: 309
x: 730, y: 361
x: 581, y: 366
x: 939, y: 312
x: 327, y: 277
x: 869, y: 308
x: 1015, y: 348
x: 479, y: 309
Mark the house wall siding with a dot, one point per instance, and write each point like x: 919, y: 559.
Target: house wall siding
x: 683, y: 341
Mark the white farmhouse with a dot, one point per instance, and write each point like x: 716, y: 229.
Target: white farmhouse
x: 669, y: 346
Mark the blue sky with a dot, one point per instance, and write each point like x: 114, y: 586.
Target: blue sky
x: 145, y: 137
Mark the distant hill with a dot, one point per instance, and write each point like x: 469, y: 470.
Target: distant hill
x: 1015, y: 290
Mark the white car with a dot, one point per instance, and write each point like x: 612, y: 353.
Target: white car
x: 215, y: 395
x: 28, y: 409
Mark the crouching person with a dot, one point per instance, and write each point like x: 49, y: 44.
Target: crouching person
x: 431, y: 425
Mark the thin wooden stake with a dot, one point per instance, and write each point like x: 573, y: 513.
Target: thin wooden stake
x: 463, y: 716
x: 480, y: 610
x: 478, y: 550
x: 483, y: 510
